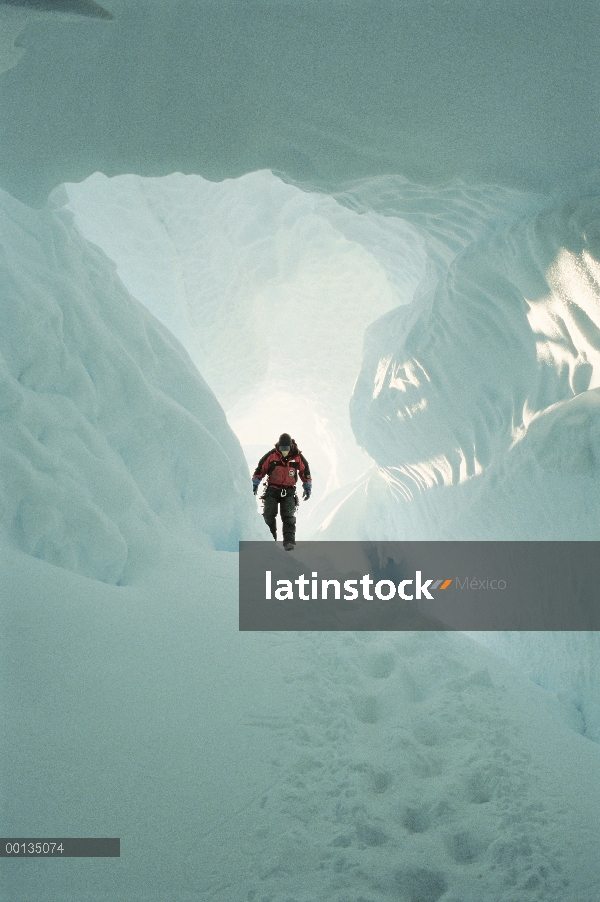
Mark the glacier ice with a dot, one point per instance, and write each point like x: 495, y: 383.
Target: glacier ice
x: 453, y: 147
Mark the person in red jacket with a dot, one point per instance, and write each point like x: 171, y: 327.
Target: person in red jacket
x: 283, y: 466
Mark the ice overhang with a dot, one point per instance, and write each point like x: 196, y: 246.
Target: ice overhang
x: 322, y: 93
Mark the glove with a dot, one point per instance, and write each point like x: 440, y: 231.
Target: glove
x: 255, y: 484
x: 307, y: 486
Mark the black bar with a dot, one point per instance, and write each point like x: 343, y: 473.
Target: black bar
x: 60, y: 848
x: 420, y: 586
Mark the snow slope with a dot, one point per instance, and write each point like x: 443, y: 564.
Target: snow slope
x: 112, y: 444
x: 309, y: 767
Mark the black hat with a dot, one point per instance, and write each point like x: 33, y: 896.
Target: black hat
x: 285, y: 440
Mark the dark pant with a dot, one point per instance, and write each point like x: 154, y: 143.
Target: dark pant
x: 287, y: 505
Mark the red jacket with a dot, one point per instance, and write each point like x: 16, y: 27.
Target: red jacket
x: 283, y: 472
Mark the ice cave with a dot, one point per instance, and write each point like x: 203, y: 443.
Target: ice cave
x: 376, y: 226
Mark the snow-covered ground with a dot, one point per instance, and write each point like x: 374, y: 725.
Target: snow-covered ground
x: 311, y: 767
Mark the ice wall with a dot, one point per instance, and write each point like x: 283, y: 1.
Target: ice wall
x: 479, y: 401
x: 112, y: 444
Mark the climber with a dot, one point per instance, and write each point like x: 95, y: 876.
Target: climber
x: 283, y: 466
